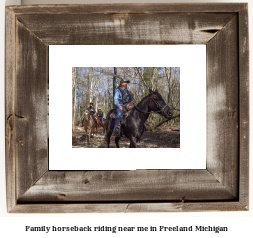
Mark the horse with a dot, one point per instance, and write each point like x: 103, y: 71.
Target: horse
x: 88, y: 124
x: 99, y: 123
x: 134, y: 126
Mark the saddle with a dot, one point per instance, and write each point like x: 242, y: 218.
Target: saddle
x: 126, y: 111
x: 128, y: 107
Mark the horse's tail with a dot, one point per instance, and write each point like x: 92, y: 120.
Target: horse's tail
x: 108, y: 120
x: 108, y: 123
x: 107, y: 127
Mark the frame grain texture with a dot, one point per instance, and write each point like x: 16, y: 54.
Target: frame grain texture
x: 223, y: 186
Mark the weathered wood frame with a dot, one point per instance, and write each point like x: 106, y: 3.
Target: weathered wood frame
x: 222, y: 186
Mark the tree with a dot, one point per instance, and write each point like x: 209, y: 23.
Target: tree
x: 114, y: 84
x: 74, y: 73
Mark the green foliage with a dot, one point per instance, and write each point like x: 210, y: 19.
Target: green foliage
x: 155, y: 129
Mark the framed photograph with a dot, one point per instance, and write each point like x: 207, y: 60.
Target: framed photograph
x: 49, y: 46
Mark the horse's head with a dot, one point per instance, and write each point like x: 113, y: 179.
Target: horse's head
x: 157, y: 104
x: 86, y: 115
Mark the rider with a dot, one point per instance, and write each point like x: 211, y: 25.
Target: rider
x: 92, y: 112
x: 121, y: 98
x: 100, y: 115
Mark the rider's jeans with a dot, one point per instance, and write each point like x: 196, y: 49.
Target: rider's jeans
x: 101, y: 119
x: 119, y: 114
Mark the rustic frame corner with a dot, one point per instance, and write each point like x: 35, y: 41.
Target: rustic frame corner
x: 223, y: 186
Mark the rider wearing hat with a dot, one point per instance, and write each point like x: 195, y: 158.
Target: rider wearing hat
x: 121, y: 98
x: 92, y: 112
x: 100, y: 115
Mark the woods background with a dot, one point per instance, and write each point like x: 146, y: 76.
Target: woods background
x: 98, y: 85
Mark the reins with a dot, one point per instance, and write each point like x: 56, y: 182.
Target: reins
x: 159, y: 106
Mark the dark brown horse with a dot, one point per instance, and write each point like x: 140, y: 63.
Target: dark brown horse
x: 134, y: 126
x: 100, y: 124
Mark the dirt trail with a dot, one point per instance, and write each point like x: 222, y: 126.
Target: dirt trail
x: 165, y: 137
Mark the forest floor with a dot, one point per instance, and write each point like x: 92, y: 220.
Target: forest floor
x: 163, y: 137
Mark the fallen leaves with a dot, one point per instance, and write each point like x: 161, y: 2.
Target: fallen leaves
x: 164, y: 138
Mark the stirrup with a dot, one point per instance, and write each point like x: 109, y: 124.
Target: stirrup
x: 116, y: 131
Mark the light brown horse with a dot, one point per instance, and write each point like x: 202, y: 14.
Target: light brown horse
x: 88, y: 124
x: 99, y: 123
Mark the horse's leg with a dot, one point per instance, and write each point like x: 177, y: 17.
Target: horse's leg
x: 91, y: 130
x: 94, y: 128
x: 132, y: 142
x: 109, y: 128
x: 117, y: 141
x: 99, y: 125
x: 109, y: 133
x: 104, y: 126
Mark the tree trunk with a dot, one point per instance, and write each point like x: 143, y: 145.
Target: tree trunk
x: 105, y: 105
x: 88, y: 88
x: 91, y: 84
x: 108, y: 93
x: 153, y: 78
x: 96, y: 108
x: 74, y: 72
x: 114, y: 84
x: 82, y: 89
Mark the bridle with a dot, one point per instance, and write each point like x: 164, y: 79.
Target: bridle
x: 86, y: 115
x: 159, y: 106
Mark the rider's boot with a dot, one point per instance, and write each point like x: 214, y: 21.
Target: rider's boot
x: 116, y: 131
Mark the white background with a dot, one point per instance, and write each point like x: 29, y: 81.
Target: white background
x: 239, y: 223
x: 192, y: 151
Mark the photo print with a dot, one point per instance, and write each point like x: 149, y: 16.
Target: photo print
x: 136, y: 107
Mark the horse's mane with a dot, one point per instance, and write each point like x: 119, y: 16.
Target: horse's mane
x: 140, y: 104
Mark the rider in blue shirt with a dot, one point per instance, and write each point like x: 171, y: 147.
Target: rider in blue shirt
x: 121, y: 98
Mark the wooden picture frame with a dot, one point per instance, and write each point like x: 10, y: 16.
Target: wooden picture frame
x: 222, y: 186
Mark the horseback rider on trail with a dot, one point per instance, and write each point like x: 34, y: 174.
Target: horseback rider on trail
x: 121, y: 98
x: 100, y: 116
x: 92, y: 112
